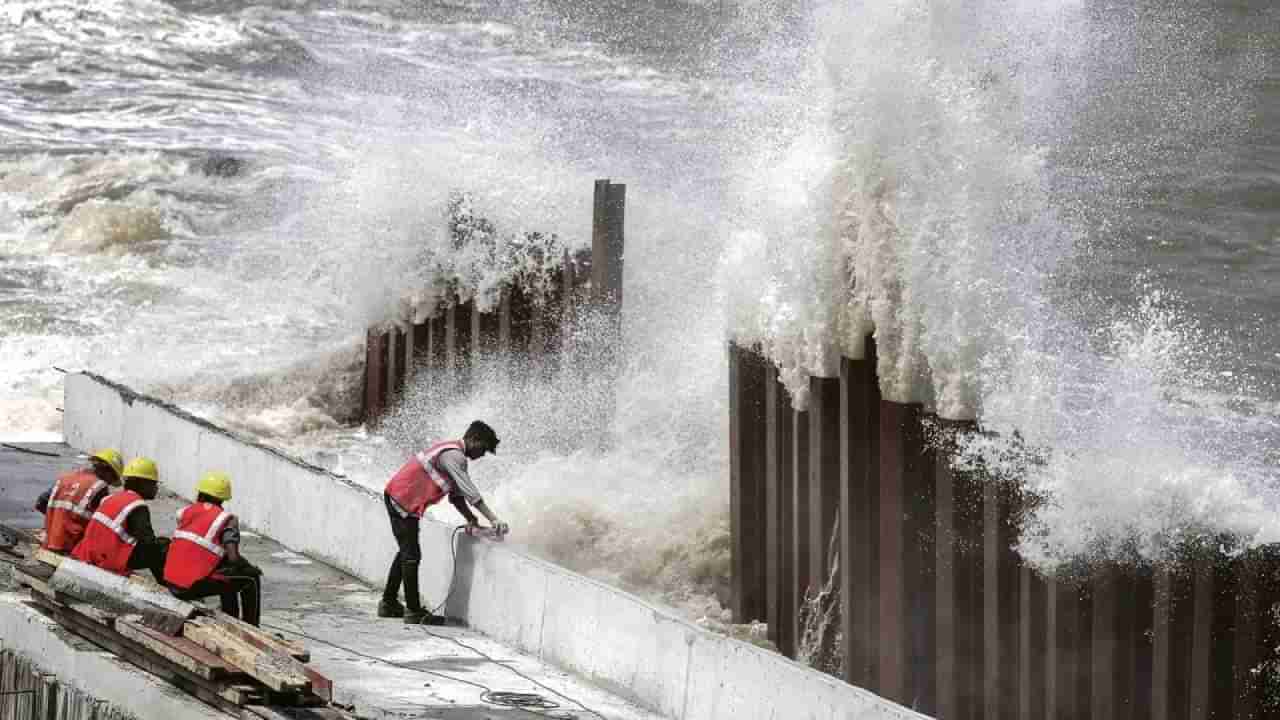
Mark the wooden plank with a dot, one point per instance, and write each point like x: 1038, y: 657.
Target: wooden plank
x: 118, y: 595
x: 262, y: 639
x: 272, y: 668
x: 177, y: 650
x: 94, y: 613
x: 242, y: 694
x: 35, y: 570
x: 113, y: 642
x: 321, y: 686
x: 36, y: 585
x: 47, y: 556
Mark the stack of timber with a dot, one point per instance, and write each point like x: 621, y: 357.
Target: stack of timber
x: 233, y: 666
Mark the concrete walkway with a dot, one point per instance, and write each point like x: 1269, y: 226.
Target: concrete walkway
x: 433, y: 676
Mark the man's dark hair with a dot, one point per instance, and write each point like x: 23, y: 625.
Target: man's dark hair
x: 480, y: 433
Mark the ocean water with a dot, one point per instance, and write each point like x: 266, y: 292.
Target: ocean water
x: 1057, y: 216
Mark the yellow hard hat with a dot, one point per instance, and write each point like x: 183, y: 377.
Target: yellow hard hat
x: 142, y: 467
x: 215, y: 484
x: 109, y: 456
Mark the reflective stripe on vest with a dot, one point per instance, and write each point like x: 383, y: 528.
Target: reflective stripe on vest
x: 116, y: 524
x: 78, y: 507
x: 67, y: 513
x: 196, y: 551
x: 427, y: 459
x: 419, y: 484
x: 107, y: 544
x: 207, y: 541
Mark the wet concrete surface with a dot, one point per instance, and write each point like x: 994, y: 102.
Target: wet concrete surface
x: 381, y: 667
x: 25, y: 472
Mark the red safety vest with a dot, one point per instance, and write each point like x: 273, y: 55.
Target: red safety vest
x: 107, y: 544
x: 68, y: 513
x: 196, y: 548
x: 421, y: 483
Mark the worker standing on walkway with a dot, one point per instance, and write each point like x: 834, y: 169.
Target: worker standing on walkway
x: 120, y: 537
x: 204, y: 559
x: 69, y: 505
x: 428, y: 477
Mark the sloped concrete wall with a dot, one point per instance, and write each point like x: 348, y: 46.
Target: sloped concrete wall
x: 614, y: 639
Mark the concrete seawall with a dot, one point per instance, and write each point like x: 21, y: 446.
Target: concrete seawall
x: 613, y: 639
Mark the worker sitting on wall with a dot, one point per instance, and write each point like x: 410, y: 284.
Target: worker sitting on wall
x: 119, y: 537
x: 435, y: 473
x: 69, y: 505
x: 204, y: 559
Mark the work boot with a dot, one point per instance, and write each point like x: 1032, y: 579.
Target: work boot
x: 390, y: 609
x: 422, y: 617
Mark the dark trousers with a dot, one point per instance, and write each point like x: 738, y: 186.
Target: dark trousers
x: 241, y: 595
x: 150, y: 556
x: 404, y: 568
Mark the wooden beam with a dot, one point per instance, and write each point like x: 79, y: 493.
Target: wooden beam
x: 273, y: 669
x: 261, y: 639
x: 177, y: 650
x: 34, y: 576
x: 119, y: 596
x: 48, y: 557
x: 112, y: 641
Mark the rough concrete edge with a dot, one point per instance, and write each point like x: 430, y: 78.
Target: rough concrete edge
x: 92, y: 670
x: 712, y: 677
x: 129, y: 396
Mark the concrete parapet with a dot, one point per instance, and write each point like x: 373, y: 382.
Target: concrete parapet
x: 615, y: 640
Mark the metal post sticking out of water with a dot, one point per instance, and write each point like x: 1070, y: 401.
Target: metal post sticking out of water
x: 607, y: 242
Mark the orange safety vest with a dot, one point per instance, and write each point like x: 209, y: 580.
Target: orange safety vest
x: 420, y: 483
x: 68, y: 513
x: 195, y: 550
x: 107, y: 544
